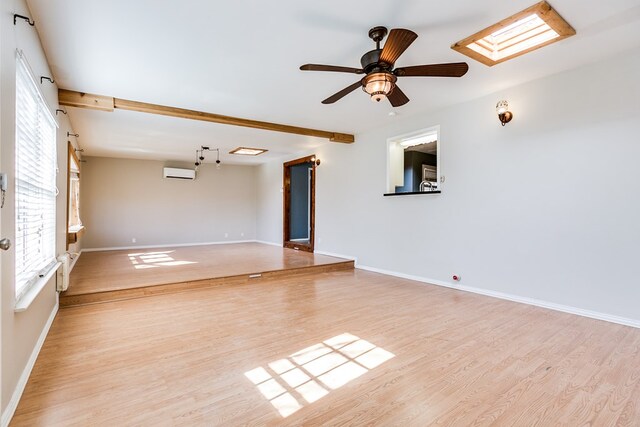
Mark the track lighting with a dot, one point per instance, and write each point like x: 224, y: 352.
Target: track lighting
x: 200, y: 155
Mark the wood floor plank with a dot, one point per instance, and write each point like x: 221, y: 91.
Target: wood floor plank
x: 105, y: 276
x: 437, y: 356
x: 103, y: 271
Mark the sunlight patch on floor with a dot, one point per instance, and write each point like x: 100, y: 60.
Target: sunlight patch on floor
x: 146, y: 260
x: 312, y: 373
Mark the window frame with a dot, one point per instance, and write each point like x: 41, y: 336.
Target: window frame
x: 395, y: 149
x: 72, y: 235
x: 45, y: 142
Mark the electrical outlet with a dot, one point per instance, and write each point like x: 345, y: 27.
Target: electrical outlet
x: 133, y: 240
x: 226, y: 234
x: 241, y: 234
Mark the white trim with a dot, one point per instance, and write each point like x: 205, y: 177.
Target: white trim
x: 22, y: 381
x: 515, y: 298
x: 32, y: 293
x: 74, y: 260
x: 264, y: 242
x: 167, y: 245
x: 336, y: 255
x: 396, y: 141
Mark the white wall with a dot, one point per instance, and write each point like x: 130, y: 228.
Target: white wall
x: 22, y: 331
x: 122, y: 199
x: 270, y: 203
x: 546, y: 207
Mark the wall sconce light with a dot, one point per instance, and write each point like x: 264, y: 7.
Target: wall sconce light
x: 502, y: 108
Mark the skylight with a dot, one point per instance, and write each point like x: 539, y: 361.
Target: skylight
x: 533, y: 28
x: 245, y: 151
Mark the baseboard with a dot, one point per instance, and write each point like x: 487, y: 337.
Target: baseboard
x: 73, y: 263
x: 514, y: 298
x: 22, y: 382
x: 264, y: 242
x: 167, y: 245
x: 337, y: 255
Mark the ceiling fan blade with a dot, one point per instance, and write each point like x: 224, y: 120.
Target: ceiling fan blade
x: 397, y: 42
x: 347, y: 90
x: 320, y: 67
x: 454, y: 69
x: 397, y: 97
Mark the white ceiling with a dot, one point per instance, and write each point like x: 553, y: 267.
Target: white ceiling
x: 241, y: 58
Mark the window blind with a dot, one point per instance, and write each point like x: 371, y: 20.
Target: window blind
x: 35, y: 182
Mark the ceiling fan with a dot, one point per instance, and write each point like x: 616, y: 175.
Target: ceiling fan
x: 377, y: 65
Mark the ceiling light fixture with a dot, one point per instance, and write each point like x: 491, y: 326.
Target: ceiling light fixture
x: 502, y: 108
x: 379, y: 85
x: 528, y: 30
x: 246, y: 151
x: 200, y: 155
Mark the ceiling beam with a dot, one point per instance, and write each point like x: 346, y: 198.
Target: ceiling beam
x: 71, y: 98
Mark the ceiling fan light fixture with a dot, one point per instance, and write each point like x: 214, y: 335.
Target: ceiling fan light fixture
x: 379, y: 85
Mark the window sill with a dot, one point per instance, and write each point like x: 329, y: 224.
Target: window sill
x: 411, y: 193
x: 25, y: 300
x: 73, y: 233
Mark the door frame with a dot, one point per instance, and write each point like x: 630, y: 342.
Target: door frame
x: 286, y: 205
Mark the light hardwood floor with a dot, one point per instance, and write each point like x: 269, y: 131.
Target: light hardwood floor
x: 364, y: 348
x: 117, y: 275
x: 125, y: 269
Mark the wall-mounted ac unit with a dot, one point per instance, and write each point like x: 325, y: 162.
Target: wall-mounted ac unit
x: 179, y: 173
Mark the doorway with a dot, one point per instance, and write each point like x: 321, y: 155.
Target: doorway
x: 299, y: 203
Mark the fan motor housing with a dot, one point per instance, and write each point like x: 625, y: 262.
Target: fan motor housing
x: 370, y: 60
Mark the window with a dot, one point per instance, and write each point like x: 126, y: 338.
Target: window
x: 412, y: 163
x: 74, y: 224
x: 35, y: 178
